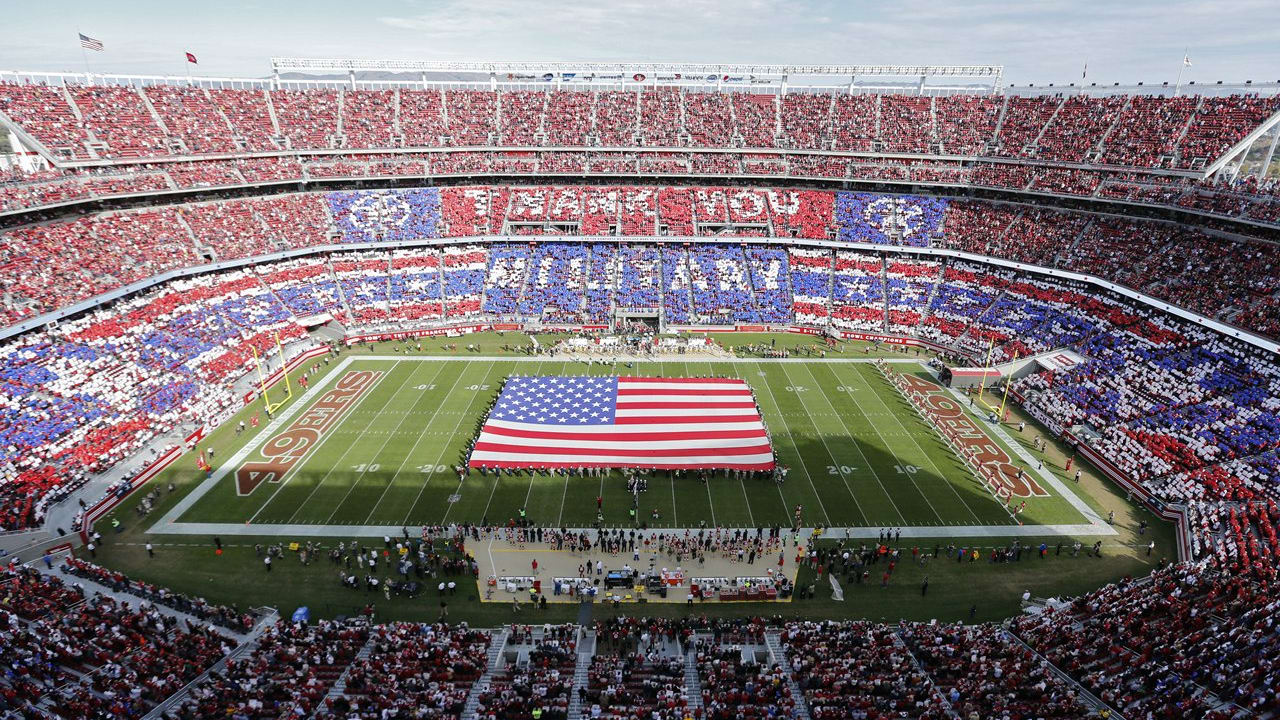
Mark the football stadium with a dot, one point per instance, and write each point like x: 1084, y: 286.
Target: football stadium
x: 487, y: 390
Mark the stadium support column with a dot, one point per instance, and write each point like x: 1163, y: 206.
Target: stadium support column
x: 853, y: 80
x: 493, y: 81
x: 784, y: 85
x: 424, y: 80
x: 920, y: 87
x: 1261, y: 172
x: 351, y: 79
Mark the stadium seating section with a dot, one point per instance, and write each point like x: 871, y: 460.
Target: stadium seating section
x: 1187, y: 414
x: 1182, y: 409
x: 76, y: 653
x: 118, y: 132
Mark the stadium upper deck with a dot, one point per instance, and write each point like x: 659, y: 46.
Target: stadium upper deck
x: 102, y: 137
x: 147, y: 119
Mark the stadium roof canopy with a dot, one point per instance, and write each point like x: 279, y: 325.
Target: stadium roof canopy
x: 287, y: 64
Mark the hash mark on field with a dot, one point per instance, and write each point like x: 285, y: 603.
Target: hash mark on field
x: 281, y: 486
x: 874, y: 391
x: 375, y: 455
x: 392, y: 482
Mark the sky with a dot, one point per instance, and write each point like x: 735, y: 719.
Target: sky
x: 1037, y: 41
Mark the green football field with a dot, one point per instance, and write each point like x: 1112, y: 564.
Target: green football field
x: 859, y: 456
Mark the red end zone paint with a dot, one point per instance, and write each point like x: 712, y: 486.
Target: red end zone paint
x: 283, y: 451
x: 996, y: 466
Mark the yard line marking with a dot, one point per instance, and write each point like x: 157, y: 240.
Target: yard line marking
x: 675, y: 504
x: 914, y: 484
x: 909, y: 434
x: 528, y: 493
x: 498, y: 478
x: 314, y: 452
x: 381, y: 447
x: 832, y: 455
x: 565, y: 494
x: 786, y: 508
x: 391, y: 483
x: 711, y: 370
x: 803, y: 467
x: 751, y: 516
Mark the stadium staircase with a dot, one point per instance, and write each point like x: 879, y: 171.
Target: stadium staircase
x: 244, y: 649
x: 1084, y: 695
x: 999, y: 241
x: 1177, y: 144
x: 778, y: 656
x: 994, y: 143
x: 444, y: 304
x: 614, y: 268
x: 1036, y: 143
x: 975, y: 323
x: 241, y: 142
x: 1101, y: 147
x: 938, y: 697
x: 340, y: 686
x: 397, y: 134
x: 687, y: 262
x: 278, y: 137
x: 884, y: 293
x: 586, y: 651
x: 497, y: 645
x: 1069, y: 251
x: 95, y: 147
x: 339, y: 137
x: 692, y: 685
x: 751, y: 281
x: 337, y: 285
x: 927, y: 311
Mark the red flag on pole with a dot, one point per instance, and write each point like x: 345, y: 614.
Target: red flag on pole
x: 191, y: 59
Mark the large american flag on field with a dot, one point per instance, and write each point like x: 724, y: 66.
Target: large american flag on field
x: 671, y: 423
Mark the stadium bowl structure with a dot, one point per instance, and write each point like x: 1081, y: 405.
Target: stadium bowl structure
x: 242, y: 315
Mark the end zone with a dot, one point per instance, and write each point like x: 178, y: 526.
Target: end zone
x: 284, y: 450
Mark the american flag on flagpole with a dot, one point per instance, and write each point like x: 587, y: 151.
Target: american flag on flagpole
x: 90, y: 43
x: 633, y: 422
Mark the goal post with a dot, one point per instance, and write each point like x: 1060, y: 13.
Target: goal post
x: 982, y: 389
x: 258, y: 360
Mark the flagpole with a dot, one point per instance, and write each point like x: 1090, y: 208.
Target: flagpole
x: 1177, y: 86
x: 88, y: 74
